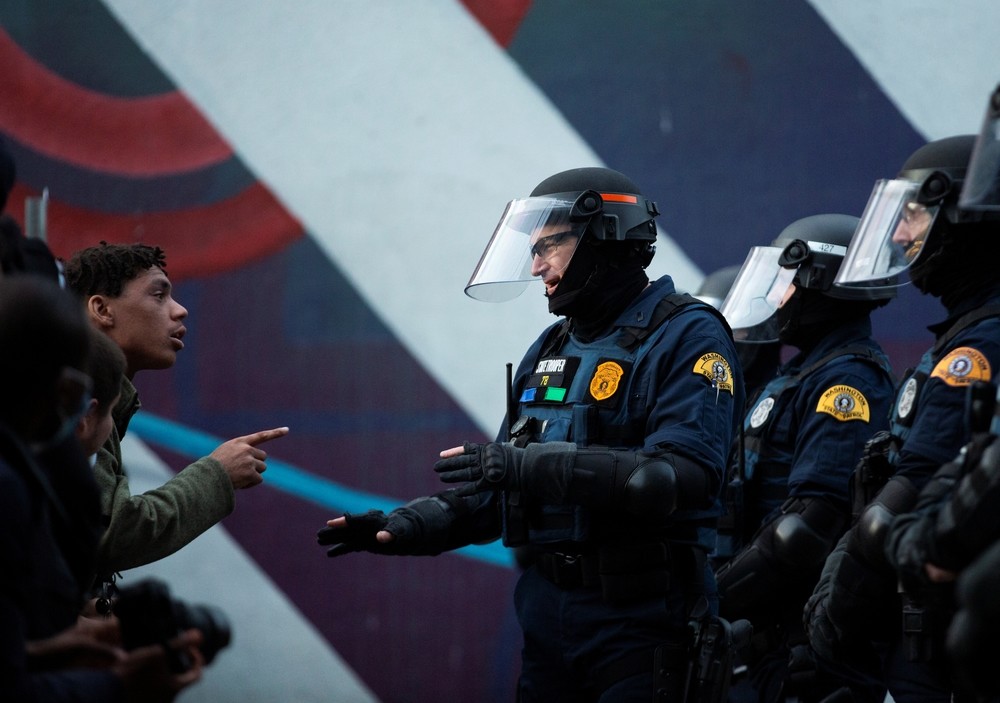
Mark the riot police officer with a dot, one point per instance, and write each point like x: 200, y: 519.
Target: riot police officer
x: 952, y: 530
x: 801, y: 438
x: 914, y: 224
x: 611, y: 473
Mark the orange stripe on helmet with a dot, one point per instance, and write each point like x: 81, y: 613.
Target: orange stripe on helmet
x: 619, y: 198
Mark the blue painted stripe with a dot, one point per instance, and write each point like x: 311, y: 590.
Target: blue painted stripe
x: 193, y: 443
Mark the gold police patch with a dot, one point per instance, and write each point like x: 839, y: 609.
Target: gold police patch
x: 844, y: 403
x: 606, y: 378
x: 716, y: 369
x: 961, y: 367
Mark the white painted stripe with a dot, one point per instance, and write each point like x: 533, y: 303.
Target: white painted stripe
x: 275, y: 654
x: 397, y: 132
x: 938, y: 62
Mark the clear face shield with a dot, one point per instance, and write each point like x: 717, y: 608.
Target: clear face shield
x: 981, y: 190
x: 760, y: 288
x: 534, y: 235
x: 890, y: 237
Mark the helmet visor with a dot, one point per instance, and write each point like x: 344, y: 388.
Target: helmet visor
x: 758, y: 291
x: 890, y: 237
x: 981, y: 189
x: 530, y: 228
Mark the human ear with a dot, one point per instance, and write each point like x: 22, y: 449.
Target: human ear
x: 99, y: 311
x: 88, y: 417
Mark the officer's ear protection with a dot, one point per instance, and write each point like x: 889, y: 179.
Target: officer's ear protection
x: 811, y: 273
x: 588, y: 206
x: 935, y: 188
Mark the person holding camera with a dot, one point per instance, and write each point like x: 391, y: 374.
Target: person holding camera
x: 47, y: 651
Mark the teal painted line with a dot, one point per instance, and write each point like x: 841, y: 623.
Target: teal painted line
x: 193, y: 443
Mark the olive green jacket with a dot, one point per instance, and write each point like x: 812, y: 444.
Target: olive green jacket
x: 146, y: 527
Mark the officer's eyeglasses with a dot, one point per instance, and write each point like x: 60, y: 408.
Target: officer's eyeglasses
x: 546, y: 246
x: 914, y: 212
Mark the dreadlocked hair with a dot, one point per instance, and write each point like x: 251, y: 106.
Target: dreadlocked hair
x: 106, y: 268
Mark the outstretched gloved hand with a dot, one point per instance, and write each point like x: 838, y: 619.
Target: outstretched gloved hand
x: 483, y: 467
x: 373, y: 531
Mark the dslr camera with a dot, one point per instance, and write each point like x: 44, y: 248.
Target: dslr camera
x: 149, y: 615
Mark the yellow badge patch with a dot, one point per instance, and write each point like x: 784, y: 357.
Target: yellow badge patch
x: 844, y: 403
x: 962, y: 366
x: 716, y: 369
x: 604, y: 384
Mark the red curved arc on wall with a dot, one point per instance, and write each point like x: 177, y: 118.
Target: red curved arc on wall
x: 147, y: 136
x: 198, y: 242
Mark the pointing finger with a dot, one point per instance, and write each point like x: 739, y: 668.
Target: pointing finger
x: 265, y: 435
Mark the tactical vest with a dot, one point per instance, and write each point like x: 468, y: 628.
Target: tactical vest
x: 905, y: 410
x: 764, y: 473
x: 584, y: 393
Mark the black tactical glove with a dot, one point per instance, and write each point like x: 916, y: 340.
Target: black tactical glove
x: 541, y: 471
x: 483, y: 467
x: 358, y: 535
x: 421, y: 527
x: 824, y: 638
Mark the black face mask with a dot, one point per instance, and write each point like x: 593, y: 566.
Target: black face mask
x: 962, y: 263
x: 808, y: 316
x: 600, y: 281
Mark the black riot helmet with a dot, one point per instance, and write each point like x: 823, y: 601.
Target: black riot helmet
x: 596, y: 219
x: 915, y: 223
x: 618, y: 210
x: 788, y: 287
x: 981, y: 190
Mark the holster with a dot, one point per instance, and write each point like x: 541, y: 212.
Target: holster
x: 872, y: 472
x: 918, y: 632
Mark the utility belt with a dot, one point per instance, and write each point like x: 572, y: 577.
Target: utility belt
x: 626, y: 571
x: 569, y: 571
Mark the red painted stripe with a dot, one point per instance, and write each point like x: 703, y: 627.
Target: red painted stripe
x: 198, y: 242
x: 501, y: 18
x: 147, y: 136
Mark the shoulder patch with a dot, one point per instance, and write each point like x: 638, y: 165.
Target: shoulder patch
x: 715, y: 368
x: 907, y: 397
x: 761, y: 412
x: 961, y: 367
x: 844, y: 403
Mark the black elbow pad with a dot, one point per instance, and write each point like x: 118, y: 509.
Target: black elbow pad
x: 651, y: 489
x: 639, y: 484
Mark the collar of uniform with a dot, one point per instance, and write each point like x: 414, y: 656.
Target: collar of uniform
x: 640, y: 312
x: 987, y: 296
x: 840, y: 336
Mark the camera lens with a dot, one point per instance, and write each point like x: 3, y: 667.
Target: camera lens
x: 211, y: 621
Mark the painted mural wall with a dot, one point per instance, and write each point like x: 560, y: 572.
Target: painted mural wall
x: 323, y: 176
